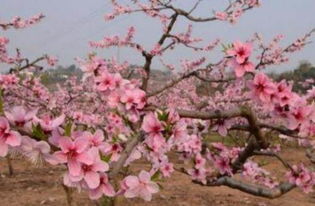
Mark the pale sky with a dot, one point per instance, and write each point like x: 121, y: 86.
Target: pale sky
x: 70, y: 24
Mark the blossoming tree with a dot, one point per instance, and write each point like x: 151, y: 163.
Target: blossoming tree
x: 102, y: 123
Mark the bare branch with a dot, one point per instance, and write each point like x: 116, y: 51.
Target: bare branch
x: 272, y: 154
x: 149, y: 57
x: 256, y: 190
x: 27, y: 65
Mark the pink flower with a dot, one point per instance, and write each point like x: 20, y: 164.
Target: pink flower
x: 199, y: 161
x: 241, y: 51
x: 118, y: 80
x: 90, y: 171
x: 105, y: 82
x: 113, y: 150
x: 140, y: 98
x: 154, y: 128
x: 133, y: 98
x: 192, y: 144
x: 179, y: 131
x: 36, y: 151
x: 223, y: 165
x: 141, y: 186
x: 74, y: 154
x: 51, y: 61
x: 157, y: 50
x: 113, y: 99
x: 7, y: 137
x: 222, y: 127
x: 198, y: 174
x: 241, y: 68
x: 152, y: 125
x: 55, y: 137
x: 307, y: 129
x: 221, y: 15
x: 302, y: 177
x: 8, y: 80
x: 96, y: 139
x: 283, y: 94
x: 92, y: 66
x: 48, y: 124
x: 262, y: 87
x: 104, y: 188
x: 167, y: 169
x: 19, y: 116
x: 298, y: 115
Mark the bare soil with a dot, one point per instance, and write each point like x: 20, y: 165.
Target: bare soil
x: 34, y: 186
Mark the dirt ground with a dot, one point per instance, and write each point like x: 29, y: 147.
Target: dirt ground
x: 33, y: 186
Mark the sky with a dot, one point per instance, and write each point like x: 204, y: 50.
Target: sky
x: 70, y: 24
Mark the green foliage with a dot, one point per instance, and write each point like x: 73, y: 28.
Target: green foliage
x: 163, y: 116
x: 38, y: 132
x: 68, y: 128
x: 106, y: 158
x: 156, y: 176
x: 304, y: 71
x: 107, y: 201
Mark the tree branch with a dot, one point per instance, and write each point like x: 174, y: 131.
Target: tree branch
x: 256, y: 190
x: 125, y: 154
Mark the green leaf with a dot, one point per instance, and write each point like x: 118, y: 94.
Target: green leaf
x: 106, y: 158
x: 38, y: 132
x: 156, y: 176
x: 107, y: 201
x: 115, y: 139
x: 226, y: 47
x: 68, y: 128
x: 163, y: 116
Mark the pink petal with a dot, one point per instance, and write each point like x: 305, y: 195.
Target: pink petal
x: 58, y: 121
x: 3, y: 149
x: 132, y: 181
x: 31, y: 114
x: 14, y: 139
x: 61, y: 157
x: 76, y: 178
x: 43, y: 147
x: 65, y: 144
x: 145, y: 194
x: 9, y: 116
x: 108, y: 190
x: 100, y: 166
x: 92, y: 179
x: 85, y: 158
x: 222, y: 131
x: 95, y: 193
x: 99, y: 135
x: 152, y: 187
x: 74, y: 168
x: 55, y: 137
x: 52, y: 159
x: 144, y: 176
x: 131, y: 193
x: 81, y: 144
x: 239, y: 71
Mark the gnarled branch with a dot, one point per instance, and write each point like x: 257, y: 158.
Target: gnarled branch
x: 256, y: 190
